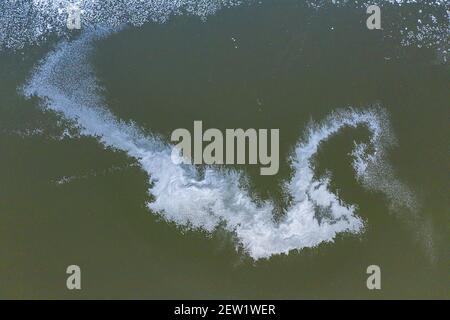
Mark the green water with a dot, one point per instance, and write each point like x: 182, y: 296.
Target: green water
x: 286, y: 66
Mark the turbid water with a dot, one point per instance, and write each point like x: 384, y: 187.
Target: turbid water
x: 87, y: 179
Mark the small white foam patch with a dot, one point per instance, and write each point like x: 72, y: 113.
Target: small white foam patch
x: 66, y: 84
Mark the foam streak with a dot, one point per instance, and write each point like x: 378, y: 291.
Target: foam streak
x: 66, y: 84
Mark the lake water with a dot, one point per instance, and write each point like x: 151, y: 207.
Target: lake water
x: 85, y: 171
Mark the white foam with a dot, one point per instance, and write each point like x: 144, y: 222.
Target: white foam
x: 33, y: 21
x: 66, y: 84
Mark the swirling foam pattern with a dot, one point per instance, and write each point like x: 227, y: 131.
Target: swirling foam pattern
x: 66, y: 84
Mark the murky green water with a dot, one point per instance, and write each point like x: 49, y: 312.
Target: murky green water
x: 67, y: 200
